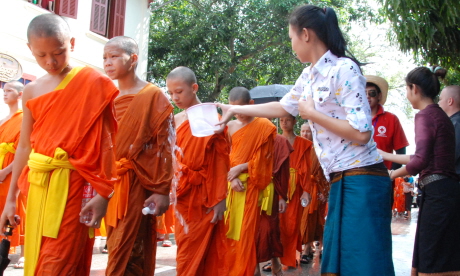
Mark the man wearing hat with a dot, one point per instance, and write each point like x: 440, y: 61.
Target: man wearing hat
x: 388, y: 132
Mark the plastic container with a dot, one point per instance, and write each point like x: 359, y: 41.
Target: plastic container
x: 304, y: 202
x: 203, y: 119
x: 149, y: 209
x: 88, y: 193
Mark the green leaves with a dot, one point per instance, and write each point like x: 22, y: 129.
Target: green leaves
x: 231, y: 43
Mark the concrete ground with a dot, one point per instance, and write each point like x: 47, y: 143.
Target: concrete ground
x: 403, y: 239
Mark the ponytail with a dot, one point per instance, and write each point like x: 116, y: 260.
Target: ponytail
x: 427, y: 79
x: 325, y: 24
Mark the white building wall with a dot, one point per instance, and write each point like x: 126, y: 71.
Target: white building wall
x: 16, y: 15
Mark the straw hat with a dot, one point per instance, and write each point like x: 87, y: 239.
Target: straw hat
x: 382, y: 84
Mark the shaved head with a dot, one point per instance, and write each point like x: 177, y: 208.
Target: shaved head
x: 16, y: 85
x: 48, y: 25
x: 239, y: 94
x: 183, y: 73
x: 127, y: 44
x: 454, y: 92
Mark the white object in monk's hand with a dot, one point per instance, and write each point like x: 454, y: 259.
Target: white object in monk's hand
x: 149, y: 209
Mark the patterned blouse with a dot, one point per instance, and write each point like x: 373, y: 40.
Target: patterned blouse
x: 338, y: 90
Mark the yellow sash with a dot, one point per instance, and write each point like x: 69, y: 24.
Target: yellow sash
x: 4, y: 149
x: 292, y: 183
x: 46, y: 201
x: 267, y: 197
x: 235, y: 206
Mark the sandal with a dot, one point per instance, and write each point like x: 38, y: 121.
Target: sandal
x: 167, y: 243
x: 279, y: 272
x: 304, y: 259
x: 19, y: 264
x: 105, y: 250
x: 267, y: 267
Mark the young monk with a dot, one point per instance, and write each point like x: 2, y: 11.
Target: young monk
x: 251, y: 161
x: 269, y: 245
x: 10, y: 127
x: 202, y: 186
x: 144, y: 163
x: 299, y: 189
x: 313, y: 216
x: 66, y: 141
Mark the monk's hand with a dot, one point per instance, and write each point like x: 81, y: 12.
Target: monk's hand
x: 9, y: 214
x: 98, y: 207
x: 234, y: 172
x: 161, y: 203
x: 306, y: 107
x: 237, y: 185
x: 3, y: 174
x: 307, y: 197
x: 227, y: 115
x: 282, y: 205
x: 219, y: 210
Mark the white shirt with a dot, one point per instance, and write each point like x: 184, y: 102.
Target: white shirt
x: 338, y: 90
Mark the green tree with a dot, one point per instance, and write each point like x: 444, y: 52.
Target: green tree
x: 429, y: 28
x: 231, y: 43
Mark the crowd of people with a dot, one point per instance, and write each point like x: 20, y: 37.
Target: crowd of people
x: 83, y: 154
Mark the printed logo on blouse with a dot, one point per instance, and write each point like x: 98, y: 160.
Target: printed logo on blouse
x: 382, y: 131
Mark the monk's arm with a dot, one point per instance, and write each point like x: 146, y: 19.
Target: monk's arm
x: 6, y: 171
x: 20, y: 161
x: 236, y: 171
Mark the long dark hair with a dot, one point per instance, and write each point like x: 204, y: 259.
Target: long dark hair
x: 325, y: 25
x: 427, y: 79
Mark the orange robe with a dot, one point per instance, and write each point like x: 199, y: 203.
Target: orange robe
x: 165, y: 223
x: 9, y: 133
x: 203, y: 166
x: 268, y: 238
x: 82, y: 123
x: 399, y: 197
x: 313, y: 217
x: 252, y: 144
x: 144, y: 167
x: 300, y: 161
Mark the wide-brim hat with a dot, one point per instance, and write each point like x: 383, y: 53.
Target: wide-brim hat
x: 381, y: 83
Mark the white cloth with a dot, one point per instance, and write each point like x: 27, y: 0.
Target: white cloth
x: 338, y: 90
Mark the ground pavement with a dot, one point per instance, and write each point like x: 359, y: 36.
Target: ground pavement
x: 403, y: 239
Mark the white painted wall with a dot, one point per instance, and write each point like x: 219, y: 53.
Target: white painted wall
x: 16, y: 15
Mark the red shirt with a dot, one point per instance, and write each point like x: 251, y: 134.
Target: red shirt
x: 388, y: 132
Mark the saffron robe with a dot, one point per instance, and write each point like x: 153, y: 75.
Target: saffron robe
x: 82, y: 123
x: 268, y: 238
x: 203, y: 166
x: 300, y: 161
x: 9, y: 134
x: 165, y: 223
x: 143, y: 141
x: 399, y: 199
x: 314, y: 216
x: 252, y: 144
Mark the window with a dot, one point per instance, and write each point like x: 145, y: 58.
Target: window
x: 66, y: 8
x: 108, y: 17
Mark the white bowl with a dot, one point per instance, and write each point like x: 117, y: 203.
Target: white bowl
x: 203, y: 119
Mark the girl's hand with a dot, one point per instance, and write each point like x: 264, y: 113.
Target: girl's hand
x: 227, y: 115
x: 306, y: 107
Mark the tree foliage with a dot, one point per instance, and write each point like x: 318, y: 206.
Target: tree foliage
x: 430, y: 28
x: 230, y: 43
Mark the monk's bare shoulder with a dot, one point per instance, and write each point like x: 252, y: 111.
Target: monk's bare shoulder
x: 40, y: 87
x: 233, y: 126
x: 179, y: 118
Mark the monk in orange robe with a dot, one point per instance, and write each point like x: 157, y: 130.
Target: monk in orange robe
x: 399, y: 197
x: 144, y: 163
x: 251, y: 161
x: 9, y: 138
x: 269, y: 245
x: 66, y: 142
x: 165, y: 226
x: 299, y: 188
x: 314, y: 216
x: 201, y: 188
